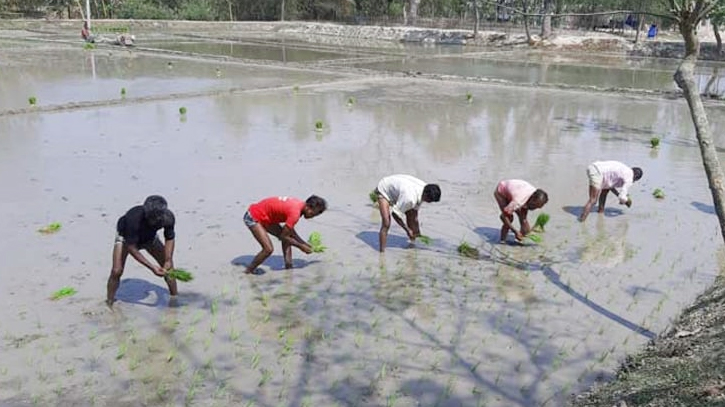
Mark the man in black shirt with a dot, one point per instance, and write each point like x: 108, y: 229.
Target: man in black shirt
x: 136, y: 230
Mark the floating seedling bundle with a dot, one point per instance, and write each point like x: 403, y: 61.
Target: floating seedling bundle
x: 467, y: 250
x: 182, y: 110
x: 32, y: 100
x: 319, y: 126
x: 658, y: 193
x: 315, y: 240
x: 180, y: 274
x: 654, y: 142
x: 51, y: 228
x: 63, y: 292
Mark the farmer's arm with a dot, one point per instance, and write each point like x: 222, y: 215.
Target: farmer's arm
x: 402, y: 224
x: 136, y: 254
x: 507, y: 217
x: 411, y: 218
x: 291, y: 237
x: 169, y: 254
x: 523, y: 214
x: 169, y: 236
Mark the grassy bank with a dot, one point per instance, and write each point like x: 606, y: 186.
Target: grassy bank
x: 685, y: 366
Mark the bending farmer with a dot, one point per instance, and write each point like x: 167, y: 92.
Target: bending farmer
x: 520, y: 197
x: 405, y: 193
x: 605, y: 176
x: 136, y: 231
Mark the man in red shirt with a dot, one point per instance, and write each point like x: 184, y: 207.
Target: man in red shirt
x: 267, y: 215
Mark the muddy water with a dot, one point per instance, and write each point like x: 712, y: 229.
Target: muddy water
x: 79, y: 76
x: 522, y: 325
x: 280, y: 53
x: 567, y: 71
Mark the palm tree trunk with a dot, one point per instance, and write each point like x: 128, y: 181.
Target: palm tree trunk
x: 685, y: 79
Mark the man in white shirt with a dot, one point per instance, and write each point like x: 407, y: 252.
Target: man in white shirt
x: 405, y: 193
x: 605, y: 176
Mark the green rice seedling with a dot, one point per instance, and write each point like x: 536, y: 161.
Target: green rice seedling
x: 541, y: 222
x: 319, y: 125
x: 658, y: 193
x: 51, y: 228
x: 89, y: 46
x: 654, y: 142
x: 121, y: 351
x: 182, y: 110
x: 32, y: 100
x: 295, y: 89
x: 425, y: 239
x: 534, y: 238
x: 373, y: 197
x: 63, y: 292
x: 469, y: 97
x: 266, y: 375
x: 315, y: 241
x: 123, y: 92
x: 180, y: 274
x: 467, y: 250
x: 350, y: 101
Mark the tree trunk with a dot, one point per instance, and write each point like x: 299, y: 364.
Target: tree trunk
x: 477, y: 20
x: 718, y: 38
x: 281, y: 12
x: 685, y: 79
x: 525, y: 8
x: 413, y: 14
x: 546, y: 22
x: 231, y: 16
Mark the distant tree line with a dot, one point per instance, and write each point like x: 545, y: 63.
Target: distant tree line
x: 547, y: 14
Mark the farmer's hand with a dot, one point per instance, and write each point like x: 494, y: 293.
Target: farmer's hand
x: 307, y: 249
x: 519, y: 236
x: 168, y: 265
x: 412, y: 235
x: 629, y: 202
x: 159, y: 271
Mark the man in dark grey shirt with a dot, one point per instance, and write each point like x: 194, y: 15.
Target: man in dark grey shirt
x: 136, y: 231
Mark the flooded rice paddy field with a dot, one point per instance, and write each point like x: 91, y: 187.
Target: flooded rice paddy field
x: 520, y: 326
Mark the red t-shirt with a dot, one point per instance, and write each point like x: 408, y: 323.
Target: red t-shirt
x: 280, y: 209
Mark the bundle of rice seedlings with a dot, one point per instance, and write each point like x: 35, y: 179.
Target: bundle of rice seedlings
x: 315, y: 240
x: 425, y: 239
x: 63, y: 292
x: 467, y: 250
x: 654, y: 142
x: 373, y: 196
x: 319, y: 126
x: 52, y: 228
x: 180, y: 274
x: 32, y: 101
x: 182, y: 110
x: 534, y: 238
x: 658, y: 193
x: 541, y: 222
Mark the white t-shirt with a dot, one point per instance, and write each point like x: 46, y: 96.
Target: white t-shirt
x: 404, y: 192
x: 616, y: 175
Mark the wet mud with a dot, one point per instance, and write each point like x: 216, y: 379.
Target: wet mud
x: 420, y: 325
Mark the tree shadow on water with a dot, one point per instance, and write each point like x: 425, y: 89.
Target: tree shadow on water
x: 274, y: 262
x: 703, y: 207
x: 546, y: 269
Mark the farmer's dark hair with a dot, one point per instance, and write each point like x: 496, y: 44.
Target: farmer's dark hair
x: 316, y: 203
x: 155, y: 209
x: 432, y: 193
x: 637, y: 173
x: 540, y: 195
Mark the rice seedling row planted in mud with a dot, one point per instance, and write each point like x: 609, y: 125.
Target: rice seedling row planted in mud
x: 50, y: 228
